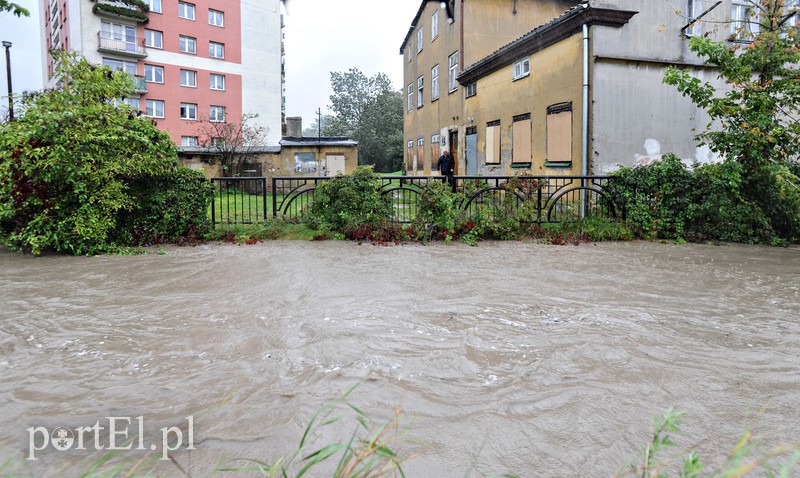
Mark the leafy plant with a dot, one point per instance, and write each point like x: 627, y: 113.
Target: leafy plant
x: 345, y: 203
x: 75, y: 163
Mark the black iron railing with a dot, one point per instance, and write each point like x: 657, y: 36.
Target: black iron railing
x: 547, y: 198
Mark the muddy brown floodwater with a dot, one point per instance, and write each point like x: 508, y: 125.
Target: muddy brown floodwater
x: 508, y: 357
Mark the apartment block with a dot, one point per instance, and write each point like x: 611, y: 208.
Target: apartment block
x: 193, y: 60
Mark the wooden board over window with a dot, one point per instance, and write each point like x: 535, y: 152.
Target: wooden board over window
x: 559, y: 133
x: 493, y: 142
x: 521, y: 139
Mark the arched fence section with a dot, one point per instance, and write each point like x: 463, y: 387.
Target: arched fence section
x: 545, y: 198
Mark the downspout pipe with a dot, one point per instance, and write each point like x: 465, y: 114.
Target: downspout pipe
x: 585, y: 109
x: 585, y: 119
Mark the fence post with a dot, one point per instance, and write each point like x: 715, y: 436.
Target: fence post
x: 213, y: 206
x: 274, y: 198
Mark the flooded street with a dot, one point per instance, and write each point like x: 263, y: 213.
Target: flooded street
x: 508, y: 357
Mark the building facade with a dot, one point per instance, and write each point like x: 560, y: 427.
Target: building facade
x: 193, y: 60
x: 577, y: 90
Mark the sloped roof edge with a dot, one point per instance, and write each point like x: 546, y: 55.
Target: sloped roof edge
x: 543, y: 36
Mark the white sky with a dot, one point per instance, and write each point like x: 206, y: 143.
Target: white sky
x: 321, y: 36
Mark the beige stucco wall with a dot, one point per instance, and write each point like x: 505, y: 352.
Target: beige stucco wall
x: 487, y: 26
x: 555, y: 77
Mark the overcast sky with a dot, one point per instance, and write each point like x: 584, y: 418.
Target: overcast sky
x: 321, y: 36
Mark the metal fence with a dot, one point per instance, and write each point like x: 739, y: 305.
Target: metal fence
x: 546, y: 198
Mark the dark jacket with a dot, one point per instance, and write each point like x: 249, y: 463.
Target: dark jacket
x: 446, y: 164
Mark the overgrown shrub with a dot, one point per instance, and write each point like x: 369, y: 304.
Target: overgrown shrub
x: 345, y: 203
x: 667, y: 200
x: 172, y: 206
x: 74, y: 163
x: 657, y: 199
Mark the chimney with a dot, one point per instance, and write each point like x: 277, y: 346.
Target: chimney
x: 294, y: 127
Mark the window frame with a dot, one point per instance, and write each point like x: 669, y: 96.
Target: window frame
x: 471, y: 90
x: 218, y: 13
x: 153, y: 69
x: 154, y: 109
x: 151, y: 4
x: 211, y: 78
x: 189, y: 111
x: 693, y: 9
x: 420, y: 39
x: 184, y: 8
x: 452, y: 72
x: 147, y: 38
x: 745, y: 20
x: 410, y: 97
x: 521, y: 69
x: 187, y: 75
x: 188, y: 41
x: 420, y: 91
x: 435, y: 25
x: 212, y: 49
x: 435, y: 83
x: 213, y: 117
x: 188, y: 140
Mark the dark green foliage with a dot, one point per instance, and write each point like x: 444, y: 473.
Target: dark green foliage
x: 345, y: 203
x: 753, y: 123
x: 370, y: 111
x: 171, y: 207
x: 76, y: 161
x: 139, y: 16
x: 656, y: 198
x: 668, y: 200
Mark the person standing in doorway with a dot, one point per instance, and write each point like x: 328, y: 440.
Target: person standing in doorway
x: 446, y: 166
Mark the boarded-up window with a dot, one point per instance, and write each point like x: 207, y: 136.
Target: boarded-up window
x: 434, y: 151
x: 521, y: 139
x: 305, y: 163
x: 493, y: 142
x: 559, y: 133
x: 420, y: 154
x: 410, y: 156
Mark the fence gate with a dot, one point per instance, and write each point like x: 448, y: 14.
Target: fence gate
x: 239, y: 200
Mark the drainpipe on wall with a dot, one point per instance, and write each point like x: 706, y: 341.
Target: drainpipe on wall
x: 585, y: 119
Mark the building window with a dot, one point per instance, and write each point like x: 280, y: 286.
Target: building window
x: 154, y: 108
x: 189, y: 141
x: 493, y: 142
x: 744, y: 23
x: 420, y: 158
x: 435, y: 83
x: 435, y: 25
x: 118, y: 37
x: 217, y: 114
x: 132, y: 102
x: 521, y: 139
x: 410, y: 155
x: 559, y: 133
x: 522, y: 68
x: 189, y: 111
x: 305, y: 163
x: 153, y: 38
x: 410, y: 97
x: 434, y: 151
x: 217, y: 141
x: 153, y: 73
x: 126, y: 66
x: 186, y: 10
x: 472, y: 89
x: 693, y: 10
x: 408, y: 54
x: 420, y: 36
x: 189, y: 78
x: 216, y: 18
x: 217, y: 81
x: 216, y: 50
x: 188, y: 45
x: 452, y: 72
x: 420, y: 90
x: 155, y: 5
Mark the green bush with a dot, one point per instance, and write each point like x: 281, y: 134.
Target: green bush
x: 345, y: 203
x: 74, y: 168
x: 172, y: 206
